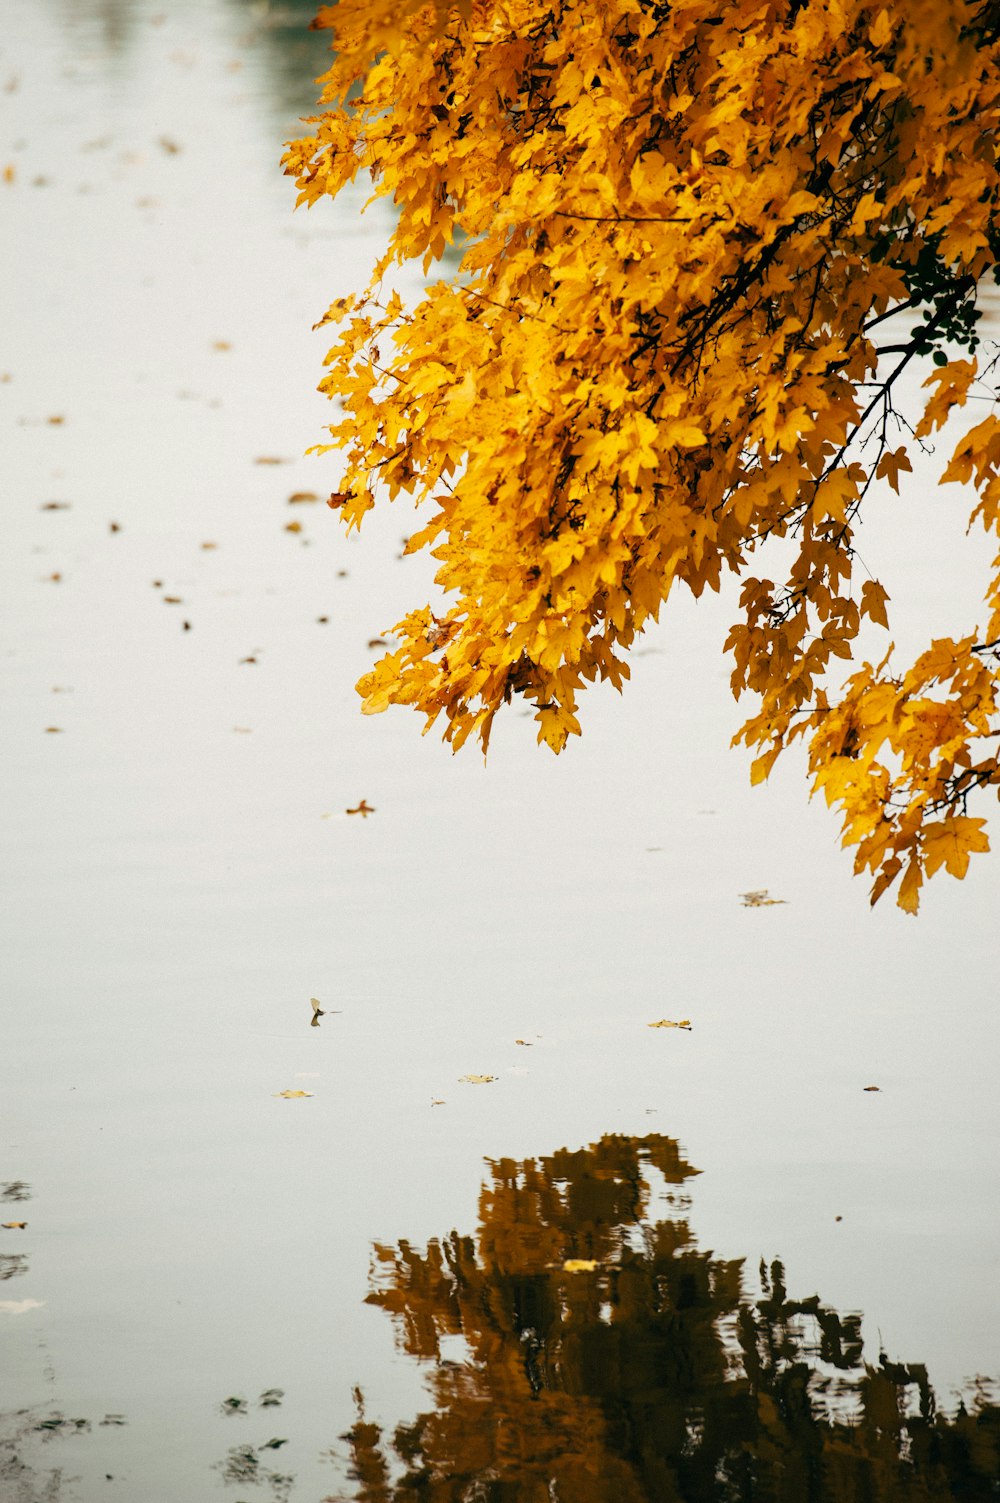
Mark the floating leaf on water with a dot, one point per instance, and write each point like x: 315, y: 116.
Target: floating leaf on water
x: 580, y: 1265
x: 364, y: 809
x: 292, y: 1095
x: 114, y: 527
x: 172, y: 600
x: 233, y: 1405
x: 55, y: 506
x: 53, y: 730
x: 274, y: 1444
x: 525, y: 1044
x: 760, y: 898
x: 271, y: 1398
x: 317, y: 1010
x: 322, y: 620
x: 250, y: 659
x: 113, y: 1419
x: 438, y: 1101
x: 668, y: 1023
x: 872, y: 1088
x: 478, y: 1079
x: 13, y: 1226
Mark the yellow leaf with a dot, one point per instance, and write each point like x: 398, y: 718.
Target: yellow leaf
x: 951, y: 843
x: 893, y: 461
x: 759, y: 898
x: 292, y: 1095
x: 477, y: 1079
x: 666, y: 1023
x: 580, y: 1265
x: 909, y: 889
x: 873, y: 601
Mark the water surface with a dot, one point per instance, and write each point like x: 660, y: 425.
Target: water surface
x: 181, y: 743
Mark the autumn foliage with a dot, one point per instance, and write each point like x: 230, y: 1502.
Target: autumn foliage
x: 700, y: 246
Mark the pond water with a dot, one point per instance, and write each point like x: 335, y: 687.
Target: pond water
x: 223, y: 1291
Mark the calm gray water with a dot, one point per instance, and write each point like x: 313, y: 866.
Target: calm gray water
x: 180, y: 875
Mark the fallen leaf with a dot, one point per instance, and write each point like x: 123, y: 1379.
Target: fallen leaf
x: 317, y: 1010
x: 580, y: 1265
x: 322, y: 620
x: 293, y: 526
x: 250, y: 659
x: 872, y: 1088
x: 172, y: 600
x: 438, y: 1101
x: 524, y: 1043
x: 243, y: 730
x: 208, y: 546
x: 364, y: 809
x: 55, y: 506
x: 53, y: 730
x: 377, y: 642
x: 170, y: 147
x: 271, y: 1398
x: 269, y: 459
x: 477, y: 1079
x: 114, y: 527
x: 8, y: 173
x: 291, y: 1095
x: 221, y: 344
x: 13, y: 1226
x: 298, y: 498
x: 272, y: 1445
x: 759, y: 899
x: 666, y: 1023
x: 55, y: 421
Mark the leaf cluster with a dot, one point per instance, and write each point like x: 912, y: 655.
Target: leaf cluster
x: 693, y: 242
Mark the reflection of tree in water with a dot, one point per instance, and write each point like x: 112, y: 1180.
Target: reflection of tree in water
x: 292, y: 55
x: 650, y: 1378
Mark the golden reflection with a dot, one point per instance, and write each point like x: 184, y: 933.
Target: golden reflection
x: 586, y: 1351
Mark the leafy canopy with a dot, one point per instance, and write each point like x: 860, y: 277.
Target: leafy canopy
x: 701, y: 245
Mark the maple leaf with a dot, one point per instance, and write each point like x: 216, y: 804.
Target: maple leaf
x: 364, y: 809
